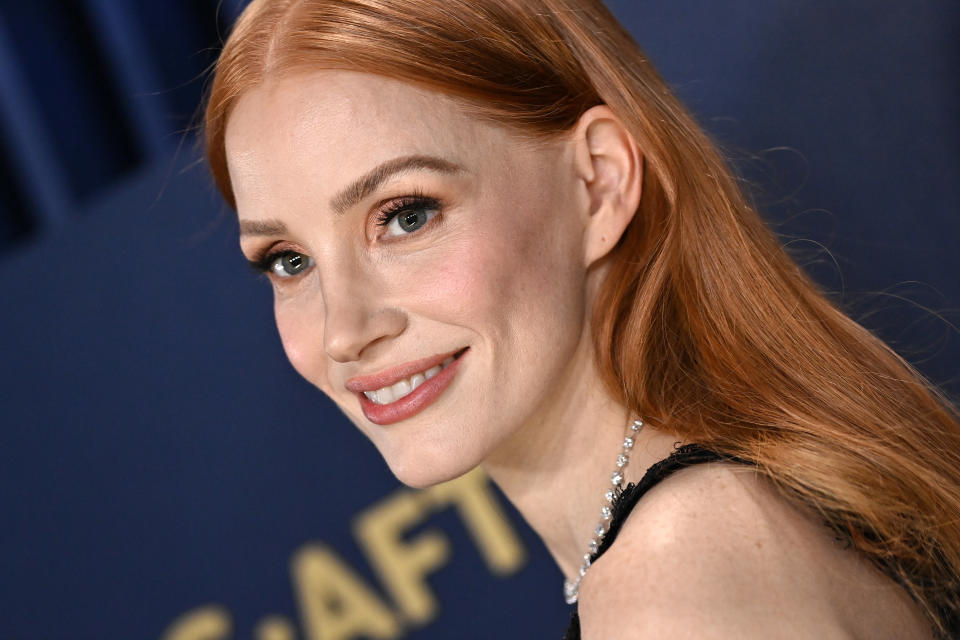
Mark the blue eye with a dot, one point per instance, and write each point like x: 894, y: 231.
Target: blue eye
x: 283, y: 264
x: 408, y: 215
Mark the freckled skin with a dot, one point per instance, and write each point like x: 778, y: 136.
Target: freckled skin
x: 501, y: 273
x: 507, y: 268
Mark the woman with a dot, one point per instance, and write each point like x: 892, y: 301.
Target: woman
x: 495, y: 238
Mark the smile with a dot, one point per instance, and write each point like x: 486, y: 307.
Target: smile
x: 405, y: 387
x: 401, y: 392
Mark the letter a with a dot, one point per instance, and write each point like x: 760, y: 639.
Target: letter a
x: 335, y: 602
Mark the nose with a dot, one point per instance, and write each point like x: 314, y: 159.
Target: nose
x: 356, y: 318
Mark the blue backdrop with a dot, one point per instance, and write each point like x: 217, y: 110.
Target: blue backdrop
x: 163, y: 471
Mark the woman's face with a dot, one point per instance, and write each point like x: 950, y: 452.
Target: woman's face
x: 398, y: 232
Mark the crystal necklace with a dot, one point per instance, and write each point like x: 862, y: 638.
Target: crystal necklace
x: 571, y: 588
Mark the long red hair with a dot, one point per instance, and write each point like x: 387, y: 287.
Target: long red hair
x: 703, y: 324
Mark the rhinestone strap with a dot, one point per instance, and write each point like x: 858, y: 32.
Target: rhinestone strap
x: 571, y: 588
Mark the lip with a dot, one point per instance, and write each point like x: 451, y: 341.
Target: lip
x: 387, y: 377
x: 414, y: 402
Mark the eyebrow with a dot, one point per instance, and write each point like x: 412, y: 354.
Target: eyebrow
x: 262, y: 228
x: 372, y: 180
x: 359, y: 189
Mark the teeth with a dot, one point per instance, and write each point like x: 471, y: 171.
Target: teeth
x: 381, y: 396
x: 403, y: 388
x: 417, y: 380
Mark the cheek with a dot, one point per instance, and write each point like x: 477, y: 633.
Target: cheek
x: 302, y: 336
x: 450, y: 284
x: 515, y: 275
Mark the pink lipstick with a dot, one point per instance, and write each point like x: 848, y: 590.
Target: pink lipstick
x: 414, y: 401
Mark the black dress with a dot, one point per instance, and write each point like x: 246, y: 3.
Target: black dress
x: 683, y: 457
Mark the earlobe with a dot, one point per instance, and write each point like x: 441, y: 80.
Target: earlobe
x: 610, y: 165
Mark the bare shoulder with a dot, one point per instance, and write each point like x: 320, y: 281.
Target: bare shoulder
x: 714, y: 551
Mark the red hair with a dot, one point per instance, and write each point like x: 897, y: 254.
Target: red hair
x: 703, y: 323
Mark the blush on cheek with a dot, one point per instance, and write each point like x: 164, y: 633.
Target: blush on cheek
x: 303, y: 345
x: 450, y: 283
x: 496, y: 272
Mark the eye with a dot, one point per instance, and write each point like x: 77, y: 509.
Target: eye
x: 283, y: 264
x: 407, y: 215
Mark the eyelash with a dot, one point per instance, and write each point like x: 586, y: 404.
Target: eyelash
x: 407, y: 203
x: 264, y: 263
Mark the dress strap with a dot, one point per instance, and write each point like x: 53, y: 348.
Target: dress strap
x: 624, y: 502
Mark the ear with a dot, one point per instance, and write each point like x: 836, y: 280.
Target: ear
x: 610, y: 166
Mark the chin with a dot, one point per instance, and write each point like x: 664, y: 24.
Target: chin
x: 421, y: 470
x: 421, y: 455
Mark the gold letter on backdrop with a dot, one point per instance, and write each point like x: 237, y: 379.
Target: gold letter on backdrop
x: 202, y: 623
x: 488, y: 526
x: 403, y: 566
x: 335, y: 603
x: 274, y: 628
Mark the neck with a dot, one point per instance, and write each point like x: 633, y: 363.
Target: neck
x: 556, y: 469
